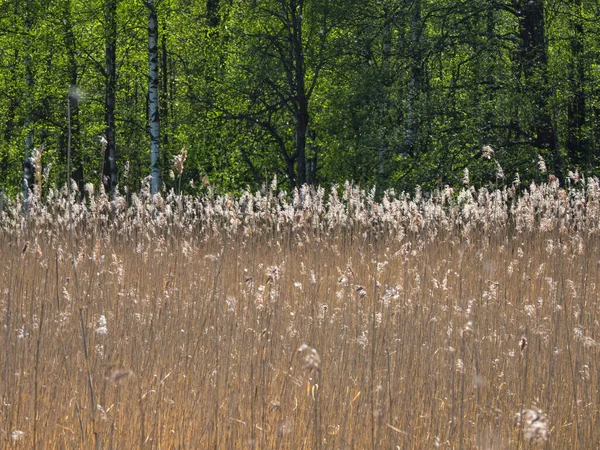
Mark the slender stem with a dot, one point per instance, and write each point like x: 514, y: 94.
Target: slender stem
x: 89, y: 374
x: 36, y: 375
x: 69, y: 146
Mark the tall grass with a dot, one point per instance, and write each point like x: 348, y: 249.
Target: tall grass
x: 454, y: 320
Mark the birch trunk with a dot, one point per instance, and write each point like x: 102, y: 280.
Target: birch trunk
x: 153, y: 96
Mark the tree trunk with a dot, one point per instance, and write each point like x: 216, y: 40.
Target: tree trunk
x: 577, y: 153
x: 384, y: 101
x: 415, y: 82
x: 28, y: 171
x: 302, y: 116
x: 73, y: 74
x: 153, y: 96
x: 212, y: 11
x: 534, y: 64
x: 164, y: 92
x: 312, y: 159
x: 301, y: 127
x: 291, y: 171
x: 490, y: 68
x: 110, y: 159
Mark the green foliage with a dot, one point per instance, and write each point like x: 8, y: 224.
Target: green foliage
x: 394, y: 93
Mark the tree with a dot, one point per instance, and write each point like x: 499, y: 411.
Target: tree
x: 110, y: 75
x: 415, y: 82
x: 28, y: 171
x: 284, y: 47
x: 393, y: 93
x: 533, y: 57
x: 73, y: 123
x: 153, y: 96
x: 577, y: 152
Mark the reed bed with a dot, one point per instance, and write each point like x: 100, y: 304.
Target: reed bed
x: 454, y: 319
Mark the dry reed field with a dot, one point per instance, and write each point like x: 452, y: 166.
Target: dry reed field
x: 457, y: 320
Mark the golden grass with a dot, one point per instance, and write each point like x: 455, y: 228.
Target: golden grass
x: 303, y: 335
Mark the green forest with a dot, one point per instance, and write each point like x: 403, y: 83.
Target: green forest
x: 232, y: 93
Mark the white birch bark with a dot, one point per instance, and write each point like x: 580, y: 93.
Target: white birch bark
x: 153, y: 97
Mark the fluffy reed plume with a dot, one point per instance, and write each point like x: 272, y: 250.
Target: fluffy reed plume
x: 101, y: 325
x: 487, y: 152
x: 534, y: 425
x: 179, y: 161
x: 312, y: 360
x: 17, y: 435
x: 542, y: 164
x: 499, y: 171
x: 466, y: 181
x: 116, y: 374
x: 179, y: 164
x: 395, y: 215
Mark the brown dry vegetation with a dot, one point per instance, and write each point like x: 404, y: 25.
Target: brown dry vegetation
x: 305, y: 322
